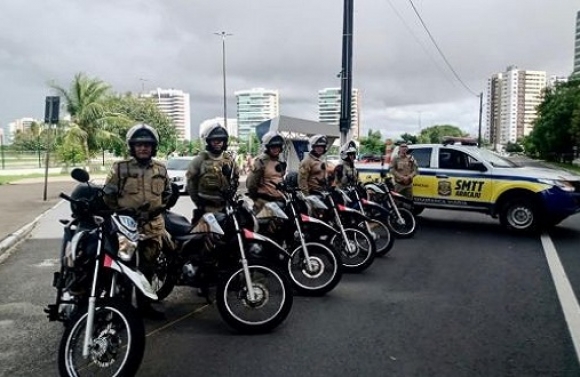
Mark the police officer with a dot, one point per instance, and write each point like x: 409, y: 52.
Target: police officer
x: 312, y: 172
x: 206, y: 181
x: 267, y: 172
x: 141, y: 184
x: 345, y: 173
x: 404, y: 169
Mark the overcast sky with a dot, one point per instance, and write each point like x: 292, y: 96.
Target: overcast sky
x: 290, y: 45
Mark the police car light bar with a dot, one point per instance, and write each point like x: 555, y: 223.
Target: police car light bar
x: 453, y: 140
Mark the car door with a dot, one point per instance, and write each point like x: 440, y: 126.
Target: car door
x: 425, y: 180
x: 462, y: 180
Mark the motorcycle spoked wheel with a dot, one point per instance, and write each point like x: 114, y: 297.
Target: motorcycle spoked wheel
x: 118, y: 342
x: 324, y: 275
x: 163, y: 280
x: 382, y: 236
x: 272, y: 303
x: 407, y: 228
x: 362, y: 252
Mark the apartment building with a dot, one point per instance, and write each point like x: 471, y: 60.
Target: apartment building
x: 174, y: 103
x: 255, y: 106
x: 329, y: 109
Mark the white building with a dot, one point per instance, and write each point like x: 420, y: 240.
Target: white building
x: 255, y: 106
x: 329, y: 109
x: 19, y: 125
x: 512, y: 99
x: 232, y: 125
x: 174, y: 103
x: 577, y: 46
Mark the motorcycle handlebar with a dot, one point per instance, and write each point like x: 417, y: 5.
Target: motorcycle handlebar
x: 66, y: 197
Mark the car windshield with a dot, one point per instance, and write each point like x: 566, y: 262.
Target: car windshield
x: 178, y: 164
x: 494, y: 159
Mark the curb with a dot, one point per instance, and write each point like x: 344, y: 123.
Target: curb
x: 8, y: 244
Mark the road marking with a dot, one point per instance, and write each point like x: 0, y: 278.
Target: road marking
x: 178, y: 320
x: 566, y: 295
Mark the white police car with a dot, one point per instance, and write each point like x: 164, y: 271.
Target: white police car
x: 176, y: 169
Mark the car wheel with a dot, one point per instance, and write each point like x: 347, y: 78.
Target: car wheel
x: 520, y: 215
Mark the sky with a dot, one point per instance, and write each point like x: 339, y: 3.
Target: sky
x: 292, y: 46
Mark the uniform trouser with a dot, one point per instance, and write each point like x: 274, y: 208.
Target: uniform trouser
x: 149, y: 249
x: 405, y: 190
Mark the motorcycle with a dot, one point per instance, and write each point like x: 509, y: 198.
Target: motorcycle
x: 313, y: 267
x: 376, y: 227
x: 400, y: 218
x: 356, y: 246
x: 252, y: 295
x: 103, y: 333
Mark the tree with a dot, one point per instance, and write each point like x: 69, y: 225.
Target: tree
x: 514, y: 148
x: 410, y: 139
x: 372, y: 143
x: 557, y: 128
x: 434, y: 134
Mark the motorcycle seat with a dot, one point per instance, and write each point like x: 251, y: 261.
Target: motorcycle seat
x: 177, y: 225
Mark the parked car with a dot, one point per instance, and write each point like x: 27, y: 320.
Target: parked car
x: 176, y: 168
x: 465, y: 177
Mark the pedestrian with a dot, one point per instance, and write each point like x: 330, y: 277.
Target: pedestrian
x: 249, y: 160
x: 267, y: 172
x: 404, y: 169
x: 312, y: 175
x: 141, y: 184
x: 207, y: 180
x: 345, y: 173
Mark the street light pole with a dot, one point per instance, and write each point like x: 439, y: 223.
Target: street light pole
x: 223, y: 35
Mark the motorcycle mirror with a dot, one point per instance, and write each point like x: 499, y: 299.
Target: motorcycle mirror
x: 80, y: 175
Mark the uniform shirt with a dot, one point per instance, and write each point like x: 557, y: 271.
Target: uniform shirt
x: 345, y: 173
x: 312, y: 174
x: 404, y: 166
x: 266, y: 173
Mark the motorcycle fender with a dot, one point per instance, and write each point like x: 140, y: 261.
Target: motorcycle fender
x: 376, y: 206
x: 312, y: 220
x: 401, y: 197
x: 136, y: 276
x: 248, y: 234
x: 352, y: 212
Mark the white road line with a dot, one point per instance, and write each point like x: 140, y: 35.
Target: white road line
x: 566, y: 295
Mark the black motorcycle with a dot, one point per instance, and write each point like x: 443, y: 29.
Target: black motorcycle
x: 313, y: 267
x: 223, y: 251
x: 104, y: 333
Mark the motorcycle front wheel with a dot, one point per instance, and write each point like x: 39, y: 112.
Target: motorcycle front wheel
x: 362, y: 249
x: 323, y: 274
x: 268, y: 308
x: 381, y: 234
x: 117, y: 342
x: 405, y: 226
x: 163, y: 280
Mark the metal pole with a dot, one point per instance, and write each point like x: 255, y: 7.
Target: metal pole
x: 346, y: 73
x: 44, y: 195
x: 2, y: 150
x: 480, y: 111
x: 223, y: 34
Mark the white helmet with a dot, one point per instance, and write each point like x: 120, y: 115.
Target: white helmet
x: 348, y: 147
x: 213, y: 132
x: 317, y: 140
x: 142, y: 133
x: 272, y: 139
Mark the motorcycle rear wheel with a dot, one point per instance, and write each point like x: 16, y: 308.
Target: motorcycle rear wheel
x: 118, y: 342
x: 407, y: 228
x: 325, y: 274
x: 270, y: 307
x: 382, y: 236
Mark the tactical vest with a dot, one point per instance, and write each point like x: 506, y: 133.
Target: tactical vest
x: 211, y: 177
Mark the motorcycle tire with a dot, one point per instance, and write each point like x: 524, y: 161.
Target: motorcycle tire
x: 402, y: 230
x: 382, y: 236
x: 118, y: 342
x: 325, y: 272
x: 271, y: 305
x: 163, y: 280
x: 364, y: 251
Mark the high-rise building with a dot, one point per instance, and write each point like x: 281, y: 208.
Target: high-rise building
x: 329, y: 109
x: 512, y: 100
x: 577, y: 46
x: 255, y: 106
x: 232, y: 125
x: 174, y: 103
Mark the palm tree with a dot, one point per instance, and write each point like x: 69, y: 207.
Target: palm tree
x: 91, y: 123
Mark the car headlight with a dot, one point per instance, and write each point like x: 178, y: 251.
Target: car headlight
x: 126, y: 248
x: 563, y: 185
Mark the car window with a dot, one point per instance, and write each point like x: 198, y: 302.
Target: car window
x: 178, y: 164
x: 422, y: 156
x: 454, y: 159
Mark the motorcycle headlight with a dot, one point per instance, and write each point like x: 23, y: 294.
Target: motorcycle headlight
x: 126, y: 248
x: 563, y: 185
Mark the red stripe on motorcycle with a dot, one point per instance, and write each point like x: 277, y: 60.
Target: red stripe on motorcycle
x: 305, y: 218
x: 108, y: 261
x: 248, y: 234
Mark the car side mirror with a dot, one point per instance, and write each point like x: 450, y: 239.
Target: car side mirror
x: 477, y: 166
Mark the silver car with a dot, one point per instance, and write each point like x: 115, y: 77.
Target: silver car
x: 176, y: 168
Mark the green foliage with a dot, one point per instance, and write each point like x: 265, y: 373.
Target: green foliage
x: 249, y: 145
x: 434, y: 134
x: 71, y: 152
x: 372, y: 143
x: 557, y: 129
x: 514, y: 148
x: 409, y: 139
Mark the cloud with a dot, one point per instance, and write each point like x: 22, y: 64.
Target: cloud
x: 292, y: 46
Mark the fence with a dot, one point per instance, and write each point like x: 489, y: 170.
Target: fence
x: 31, y: 160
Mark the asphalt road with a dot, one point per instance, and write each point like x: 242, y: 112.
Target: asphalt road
x: 462, y: 298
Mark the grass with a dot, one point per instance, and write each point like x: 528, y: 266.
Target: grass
x: 5, y: 179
